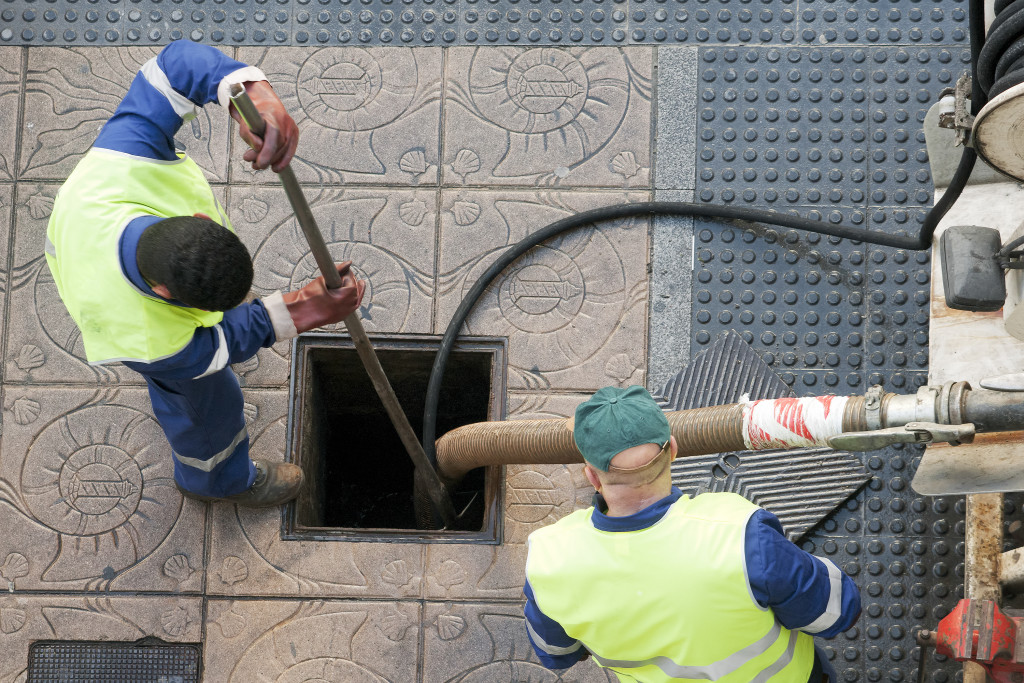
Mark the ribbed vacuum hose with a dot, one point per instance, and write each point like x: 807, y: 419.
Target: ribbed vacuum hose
x: 700, y: 431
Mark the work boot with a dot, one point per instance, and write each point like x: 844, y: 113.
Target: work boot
x: 276, y: 483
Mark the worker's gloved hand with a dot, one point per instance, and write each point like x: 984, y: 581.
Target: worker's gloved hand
x: 314, y: 305
x: 277, y: 146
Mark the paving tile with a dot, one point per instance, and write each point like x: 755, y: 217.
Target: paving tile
x: 248, y: 556
x: 548, y: 116
x: 43, y: 342
x: 258, y: 640
x: 89, y: 503
x: 366, y: 115
x: 11, y: 71
x: 488, y: 642
x: 71, y: 92
x: 574, y: 310
x: 389, y: 235
x: 6, y: 209
x: 24, y: 620
x: 535, y: 496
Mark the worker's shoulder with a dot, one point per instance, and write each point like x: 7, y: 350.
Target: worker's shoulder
x: 575, y: 519
x: 722, y: 506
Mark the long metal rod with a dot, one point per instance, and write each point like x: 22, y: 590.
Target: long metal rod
x: 435, y: 488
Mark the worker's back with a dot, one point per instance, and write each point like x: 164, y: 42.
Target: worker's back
x: 669, y: 601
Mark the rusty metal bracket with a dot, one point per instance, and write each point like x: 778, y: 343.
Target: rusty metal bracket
x: 912, y: 432
x: 958, y: 118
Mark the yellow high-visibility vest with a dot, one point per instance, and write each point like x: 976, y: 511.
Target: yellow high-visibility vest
x: 667, y: 603
x: 102, y: 195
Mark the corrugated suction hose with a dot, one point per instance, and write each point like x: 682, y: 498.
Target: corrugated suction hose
x: 715, y: 429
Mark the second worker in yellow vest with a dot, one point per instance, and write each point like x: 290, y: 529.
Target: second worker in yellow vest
x: 658, y: 586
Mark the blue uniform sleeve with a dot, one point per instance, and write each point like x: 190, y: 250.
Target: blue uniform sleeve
x: 244, y: 330
x: 163, y: 96
x: 555, y: 649
x: 805, y: 592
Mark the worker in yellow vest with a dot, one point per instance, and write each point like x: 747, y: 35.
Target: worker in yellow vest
x: 659, y: 586
x: 154, y: 276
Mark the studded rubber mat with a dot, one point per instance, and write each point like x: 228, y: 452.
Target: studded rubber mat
x: 142, y: 662
x: 801, y: 487
x: 483, y: 22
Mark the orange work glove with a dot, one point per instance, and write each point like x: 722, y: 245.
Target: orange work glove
x: 314, y: 305
x: 277, y: 146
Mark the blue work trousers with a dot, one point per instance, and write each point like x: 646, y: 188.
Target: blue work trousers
x: 205, y: 425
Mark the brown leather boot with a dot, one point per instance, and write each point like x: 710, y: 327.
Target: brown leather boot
x: 276, y: 483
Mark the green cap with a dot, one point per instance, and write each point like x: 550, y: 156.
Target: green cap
x: 615, y: 419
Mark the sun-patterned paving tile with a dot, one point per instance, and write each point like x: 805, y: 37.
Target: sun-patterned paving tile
x: 574, y: 309
x: 548, y: 116
x: 366, y: 114
x: 323, y: 640
x: 88, y: 498
x: 71, y: 92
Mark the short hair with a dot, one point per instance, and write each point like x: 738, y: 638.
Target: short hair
x: 204, y: 265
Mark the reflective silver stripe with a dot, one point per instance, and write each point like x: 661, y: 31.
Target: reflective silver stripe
x: 208, y: 465
x: 548, y: 647
x: 834, y: 609
x: 709, y: 672
x: 780, y: 663
x: 220, y: 356
x: 156, y: 77
x: 49, y: 248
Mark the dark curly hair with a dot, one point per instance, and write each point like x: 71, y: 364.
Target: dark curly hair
x: 204, y: 265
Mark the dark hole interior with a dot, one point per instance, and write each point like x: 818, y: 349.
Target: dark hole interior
x: 360, y: 474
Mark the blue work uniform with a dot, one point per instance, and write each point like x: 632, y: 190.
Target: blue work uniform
x: 803, y: 592
x: 195, y: 395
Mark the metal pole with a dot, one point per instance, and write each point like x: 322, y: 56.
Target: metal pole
x: 435, y: 487
x: 983, y: 550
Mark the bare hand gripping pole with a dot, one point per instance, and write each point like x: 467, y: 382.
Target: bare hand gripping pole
x: 435, y: 488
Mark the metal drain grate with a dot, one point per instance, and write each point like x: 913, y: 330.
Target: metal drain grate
x: 149, y: 660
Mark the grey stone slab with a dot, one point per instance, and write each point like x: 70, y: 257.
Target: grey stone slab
x: 89, y: 502
x: 388, y: 234
x: 12, y: 70
x: 248, y: 557
x: 676, y: 121
x: 488, y: 642
x: 285, y: 640
x: 548, y: 116
x: 366, y: 114
x: 6, y: 211
x: 574, y: 310
x: 70, y: 94
x: 544, y: 22
x: 26, y: 619
x: 671, y: 307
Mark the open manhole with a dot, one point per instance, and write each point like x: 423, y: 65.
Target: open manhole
x: 149, y: 660
x: 359, y: 478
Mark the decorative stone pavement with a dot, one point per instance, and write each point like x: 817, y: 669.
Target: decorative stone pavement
x: 421, y: 165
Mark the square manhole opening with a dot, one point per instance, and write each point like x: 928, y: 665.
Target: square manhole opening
x: 359, y: 477
x: 149, y: 660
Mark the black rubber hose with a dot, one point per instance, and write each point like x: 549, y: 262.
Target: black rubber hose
x: 923, y: 239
